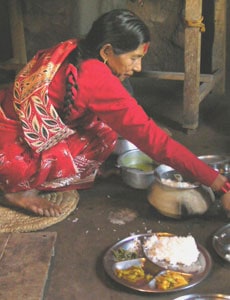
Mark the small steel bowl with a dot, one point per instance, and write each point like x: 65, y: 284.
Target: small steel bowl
x: 137, y: 169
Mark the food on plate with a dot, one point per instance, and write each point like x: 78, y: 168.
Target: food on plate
x: 133, y: 274
x: 173, y: 250
x: 172, y: 280
x: 121, y: 254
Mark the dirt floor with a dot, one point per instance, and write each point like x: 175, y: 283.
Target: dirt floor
x: 111, y: 211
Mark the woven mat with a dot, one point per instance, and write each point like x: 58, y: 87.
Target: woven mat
x: 19, y: 221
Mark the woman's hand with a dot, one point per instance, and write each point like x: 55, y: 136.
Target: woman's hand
x: 225, y: 199
x: 219, y: 183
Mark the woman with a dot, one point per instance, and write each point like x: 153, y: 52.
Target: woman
x: 61, y: 118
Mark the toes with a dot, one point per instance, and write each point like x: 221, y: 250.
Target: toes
x: 40, y: 211
x: 47, y: 212
x: 37, y: 210
x: 58, y: 211
x: 52, y: 212
x: 55, y: 211
x: 30, y: 201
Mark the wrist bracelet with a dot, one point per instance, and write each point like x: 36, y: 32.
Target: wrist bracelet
x: 226, y: 187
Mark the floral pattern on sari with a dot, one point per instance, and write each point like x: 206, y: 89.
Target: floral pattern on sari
x: 42, y: 126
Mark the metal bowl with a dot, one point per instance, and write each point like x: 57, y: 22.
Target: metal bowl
x: 137, y: 169
x: 123, y: 146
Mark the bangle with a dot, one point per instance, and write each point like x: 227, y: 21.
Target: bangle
x: 226, y: 187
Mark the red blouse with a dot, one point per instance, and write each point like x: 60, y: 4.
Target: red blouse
x: 101, y: 94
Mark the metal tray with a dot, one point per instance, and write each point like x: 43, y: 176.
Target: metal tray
x: 221, y: 242
x: 203, y: 265
x: 204, y: 297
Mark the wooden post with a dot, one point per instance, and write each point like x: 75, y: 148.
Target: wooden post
x: 19, y: 58
x: 17, y: 33
x: 17, y: 36
x: 219, y: 44
x: 193, y: 12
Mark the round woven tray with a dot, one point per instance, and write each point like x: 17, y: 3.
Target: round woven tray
x: 19, y: 221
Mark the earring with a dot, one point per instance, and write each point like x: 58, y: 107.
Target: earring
x: 105, y: 60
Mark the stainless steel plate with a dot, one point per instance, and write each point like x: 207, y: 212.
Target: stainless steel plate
x: 204, y: 297
x: 215, y: 159
x: 135, y: 242
x: 221, y: 242
x: 220, y: 163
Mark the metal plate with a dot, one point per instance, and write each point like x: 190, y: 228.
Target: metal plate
x: 221, y: 242
x: 220, y: 163
x: 204, y: 297
x: 215, y: 159
x: 133, y: 242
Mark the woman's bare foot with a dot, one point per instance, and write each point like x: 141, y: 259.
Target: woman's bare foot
x: 31, y: 201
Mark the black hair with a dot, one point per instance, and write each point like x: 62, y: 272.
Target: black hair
x: 121, y: 28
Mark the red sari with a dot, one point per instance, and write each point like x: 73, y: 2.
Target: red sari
x: 38, y: 150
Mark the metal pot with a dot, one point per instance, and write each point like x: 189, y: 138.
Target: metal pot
x: 137, y: 169
x: 180, y: 199
x: 123, y: 146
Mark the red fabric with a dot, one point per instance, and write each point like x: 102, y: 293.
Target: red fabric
x: 41, y: 125
x: 37, y: 149
x: 102, y: 109
x: 102, y: 93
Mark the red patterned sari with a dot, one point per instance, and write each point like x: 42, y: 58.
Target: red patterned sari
x: 37, y: 149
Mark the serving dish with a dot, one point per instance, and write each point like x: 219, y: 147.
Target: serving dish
x: 220, y: 163
x: 199, y: 271
x: 221, y: 242
x: 204, y: 297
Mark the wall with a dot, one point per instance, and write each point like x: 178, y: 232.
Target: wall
x: 47, y: 22
x: 165, y: 21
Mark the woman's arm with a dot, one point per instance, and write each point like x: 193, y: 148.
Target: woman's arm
x: 110, y: 101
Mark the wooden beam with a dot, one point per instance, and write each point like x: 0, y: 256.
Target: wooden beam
x: 207, y: 87
x: 171, y: 75
x: 193, y: 13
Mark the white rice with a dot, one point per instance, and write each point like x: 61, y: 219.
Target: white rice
x: 172, y: 249
x: 177, y: 184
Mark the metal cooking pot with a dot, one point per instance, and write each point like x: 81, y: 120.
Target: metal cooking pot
x: 137, y: 169
x: 122, y: 146
x: 174, y: 197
